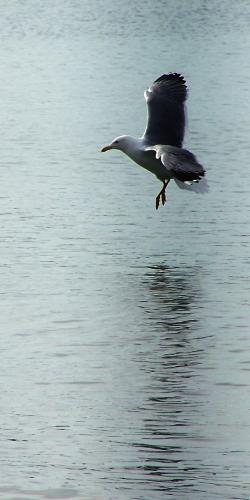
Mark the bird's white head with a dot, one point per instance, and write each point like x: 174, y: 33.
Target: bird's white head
x: 123, y: 143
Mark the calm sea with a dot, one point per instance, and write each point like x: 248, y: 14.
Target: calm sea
x: 125, y: 332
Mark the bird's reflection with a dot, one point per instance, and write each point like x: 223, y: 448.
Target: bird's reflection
x: 170, y: 303
x: 174, y: 293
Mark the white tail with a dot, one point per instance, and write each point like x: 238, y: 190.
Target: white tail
x: 200, y: 187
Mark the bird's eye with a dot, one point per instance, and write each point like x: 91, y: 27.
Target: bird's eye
x: 116, y: 142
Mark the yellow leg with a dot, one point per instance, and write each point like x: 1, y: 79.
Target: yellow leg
x: 162, y: 195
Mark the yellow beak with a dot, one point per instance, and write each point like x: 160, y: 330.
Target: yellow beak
x: 106, y: 148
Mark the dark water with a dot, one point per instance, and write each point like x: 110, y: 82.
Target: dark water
x: 125, y: 365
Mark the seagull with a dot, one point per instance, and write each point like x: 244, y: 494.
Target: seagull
x: 160, y: 150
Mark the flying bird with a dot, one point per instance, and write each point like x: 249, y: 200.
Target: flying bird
x: 160, y: 150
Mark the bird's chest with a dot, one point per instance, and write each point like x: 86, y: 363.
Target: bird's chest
x: 147, y: 160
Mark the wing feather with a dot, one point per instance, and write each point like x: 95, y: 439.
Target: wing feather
x: 166, y: 117
x: 183, y: 165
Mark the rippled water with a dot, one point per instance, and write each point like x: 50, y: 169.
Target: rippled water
x: 125, y: 365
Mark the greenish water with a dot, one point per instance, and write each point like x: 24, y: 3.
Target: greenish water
x: 125, y: 366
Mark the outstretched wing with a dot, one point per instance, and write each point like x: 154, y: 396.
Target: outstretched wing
x: 166, y: 117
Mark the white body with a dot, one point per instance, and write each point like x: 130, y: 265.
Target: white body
x: 138, y: 151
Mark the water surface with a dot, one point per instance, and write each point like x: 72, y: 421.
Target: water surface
x: 125, y: 367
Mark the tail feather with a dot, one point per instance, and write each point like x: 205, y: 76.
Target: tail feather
x: 200, y: 187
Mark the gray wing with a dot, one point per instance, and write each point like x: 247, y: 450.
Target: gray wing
x: 166, y: 117
x: 182, y: 164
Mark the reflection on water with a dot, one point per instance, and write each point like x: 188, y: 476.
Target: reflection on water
x: 174, y: 296
x: 171, y: 406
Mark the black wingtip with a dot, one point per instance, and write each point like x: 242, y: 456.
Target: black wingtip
x: 174, y: 77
